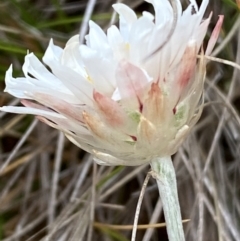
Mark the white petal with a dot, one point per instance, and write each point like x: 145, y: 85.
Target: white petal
x: 127, y: 18
x: 114, y: 37
x: 54, y: 50
x: 73, y: 40
x: 139, y: 39
x: 24, y: 88
x: 36, y: 69
x: 148, y: 15
x: 32, y: 111
x: 100, y: 71
x: 72, y: 58
x: 76, y: 83
x: 120, y: 49
x: 97, y: 39
x: 163, y: 11
x: 203, y: 8
x: 15, y: 87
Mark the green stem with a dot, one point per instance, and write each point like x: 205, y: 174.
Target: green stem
x: 164, y: 173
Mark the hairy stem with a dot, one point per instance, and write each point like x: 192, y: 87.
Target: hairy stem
x: 164, y: 173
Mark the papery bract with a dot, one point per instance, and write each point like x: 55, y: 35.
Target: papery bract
x: 126, y: 96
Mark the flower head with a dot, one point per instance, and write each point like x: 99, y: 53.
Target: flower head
x: 126, y: 96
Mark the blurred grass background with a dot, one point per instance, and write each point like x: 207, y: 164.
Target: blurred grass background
x: 51, y: 190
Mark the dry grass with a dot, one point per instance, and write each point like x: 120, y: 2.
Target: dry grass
x: 51, y: 190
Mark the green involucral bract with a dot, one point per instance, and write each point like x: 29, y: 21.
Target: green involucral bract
x: 135, y: 116
x: 181, y: 115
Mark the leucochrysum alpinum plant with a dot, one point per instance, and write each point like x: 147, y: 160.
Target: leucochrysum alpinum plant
x: 129, y: 96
